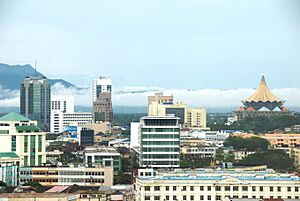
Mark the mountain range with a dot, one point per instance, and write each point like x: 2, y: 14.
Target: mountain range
x: 11, y: 76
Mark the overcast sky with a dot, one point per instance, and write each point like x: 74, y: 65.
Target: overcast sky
x: 186, y: 44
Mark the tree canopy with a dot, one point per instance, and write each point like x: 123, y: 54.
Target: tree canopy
x: 276, y: 159
x: 249, y: 144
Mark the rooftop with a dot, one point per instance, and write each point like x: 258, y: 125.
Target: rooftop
x: 12, y: 116
x: 100, y: 149
x: 8, y: 155
x: 263, y: 93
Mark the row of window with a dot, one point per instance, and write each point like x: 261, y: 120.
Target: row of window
x: 165, y: 136
x: 160, y: 130
x: 209, y: 197
x: 226, y: 188
x: 161, y: 143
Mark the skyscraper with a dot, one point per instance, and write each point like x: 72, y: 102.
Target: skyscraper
x: 159, y: 141
x: 102, y: 104
x: 35, y: 100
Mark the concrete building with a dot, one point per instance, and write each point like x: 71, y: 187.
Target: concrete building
x: 9, y: 168
x: 22, y: 136
x: 82, y: 176
x: 102, y: 104
x: 59, y: 120
x: 134, y: 134
x: 35, y: 100
x: 202, y: 152
x: 154, y: 101
x: 159, y: 142
x: 102, y: 155
x: 38, y: 197
x: 215, y: 185
x: 189, y: 117
x: 282, y: 140
x: 62, y: 103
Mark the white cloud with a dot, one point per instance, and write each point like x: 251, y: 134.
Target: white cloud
x: 137, y: 96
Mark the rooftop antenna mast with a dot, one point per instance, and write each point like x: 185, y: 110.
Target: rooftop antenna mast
x: 35, y: 68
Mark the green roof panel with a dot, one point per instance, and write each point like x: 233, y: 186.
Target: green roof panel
x: 12, y: 116
x: 8, y: 155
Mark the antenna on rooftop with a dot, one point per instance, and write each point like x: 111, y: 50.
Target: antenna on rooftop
x: 35, y: 68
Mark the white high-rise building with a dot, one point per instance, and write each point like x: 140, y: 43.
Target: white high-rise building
x: 62, y: 114
x: 62, y: 103
x: 101, y: 85
x: 159, y: 141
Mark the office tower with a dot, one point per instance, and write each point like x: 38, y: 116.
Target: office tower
x: 102, y: 104
x: 160, y: 142
x: 21, y: 135
x: 158, y: 99
x: 35, y: 101
x: 62, y: 114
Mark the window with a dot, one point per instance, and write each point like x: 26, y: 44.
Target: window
x: 289, y: 189
x: 279, y: 189
x: 245, y: 188
x: 261, y: 188
x: 208, y: 197
x: 218, y: 188
x: 201, y: 188
x: 184, y: 188
x: 271, y: 188
x: 13, y: 142
x: 156, y: 197
x: 184, y: 197
x: 192, y: 188
x: 236, y: 188
x: 174, y: 197
x: 296, y: 189
x: 25, y: 161
x: 253, y: 188
x: 39, y: 160
x: 174, y: 188
x: 167, y: 188
x: 40, y: 143
x: 209, y: 188
x: 25, y: 144
x: 147, y: 188
x: 244, y: 196
x: 156, y: 188
x: 147, y: 197
x: 227, y: 188
x: 201, y: 197
x: 218, y: 197
x: 191, y: 197
x: 167, y: 197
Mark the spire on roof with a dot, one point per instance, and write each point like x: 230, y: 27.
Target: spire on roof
x: 263, y: 93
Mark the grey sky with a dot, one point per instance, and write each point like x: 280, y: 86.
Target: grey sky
x: 166, y: 43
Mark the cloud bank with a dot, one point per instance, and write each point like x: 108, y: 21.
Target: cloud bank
x: 137, y: 96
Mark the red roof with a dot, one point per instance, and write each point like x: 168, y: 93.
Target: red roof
x: 241, y: 109
x: 57, y: 189
x: 250, y: 109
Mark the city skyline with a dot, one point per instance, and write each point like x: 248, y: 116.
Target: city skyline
x: 215, y: 44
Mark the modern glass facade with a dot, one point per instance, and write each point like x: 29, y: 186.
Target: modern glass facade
x: 160, y: 142
x: 35, y: 100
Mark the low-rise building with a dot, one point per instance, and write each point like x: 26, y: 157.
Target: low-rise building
x: 102, y: 155
x: 82, y: 176
x: 202, y: 152
x: 38, y: 197
x: 9, y: 168
x: 215, y: 185
x: 282, y: 140
x: 22, y: 136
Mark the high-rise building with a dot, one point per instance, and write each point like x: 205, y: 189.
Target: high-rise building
x: 20, y: 135
x: 102, y: 104
x: 62, y: 114
x: 101, y: 85
x: 158, y: 99
x: 35, y: 95
x: 159, y: 142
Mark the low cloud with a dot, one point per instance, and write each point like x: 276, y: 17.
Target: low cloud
x: 137, y: 96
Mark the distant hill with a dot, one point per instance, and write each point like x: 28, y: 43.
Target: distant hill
x: 11, y: 76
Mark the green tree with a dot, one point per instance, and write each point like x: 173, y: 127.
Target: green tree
x: 276, y: 159
x: 32, y: 184
x: 250, y: 144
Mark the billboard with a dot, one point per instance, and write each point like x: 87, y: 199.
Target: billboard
x: 70, y: 132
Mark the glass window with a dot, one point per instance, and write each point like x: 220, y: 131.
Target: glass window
x: 208, y: 197
x: 218, y: 188
x: 227, y: 188
x: 184, y: 197
x: 156, y: 188
x: 279, y: 189
x: 192, y: 188
x: 13, y: 142
x: 245, y: 188
x: 40, y: 143
x: 167, y: 188
x: 174, y: 188
x: 147, y: 188
x: 271, y: 188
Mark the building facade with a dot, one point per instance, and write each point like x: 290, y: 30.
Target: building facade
x: 9, y: 168
x: 215, y: 185
x: 282, y: 140
x: 102, y: 101
x: 22, y: 136
x: 53, y: 176
x: 62, y: 103
x: 154, y: 101
x: 159, y: 142
x: 102, y: 155
x: 35, y: 100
